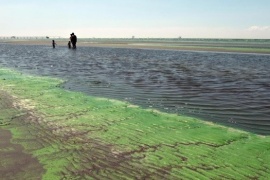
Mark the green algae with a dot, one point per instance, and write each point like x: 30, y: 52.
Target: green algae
x: 6, y: 116
x: 79, y: 136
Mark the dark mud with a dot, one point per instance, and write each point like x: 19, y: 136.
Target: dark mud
x: 231, y: 89
x: 15, y: 163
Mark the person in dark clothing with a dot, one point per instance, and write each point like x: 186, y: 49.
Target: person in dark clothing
x: 53, y: 43
x: 73, y: 40
x: 69, y: 45
x: 70, y: 37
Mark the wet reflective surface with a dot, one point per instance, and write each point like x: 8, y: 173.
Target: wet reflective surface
x: 228, y: 88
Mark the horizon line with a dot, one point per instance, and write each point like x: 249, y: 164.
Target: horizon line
x: 179, y: 38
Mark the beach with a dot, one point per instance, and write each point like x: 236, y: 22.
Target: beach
x: 143, y: 90
x: 133, y: 113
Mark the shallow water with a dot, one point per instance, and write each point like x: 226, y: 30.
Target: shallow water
x: 228, y: 88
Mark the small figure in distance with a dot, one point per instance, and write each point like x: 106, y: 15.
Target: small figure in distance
x: 70, y: 38
x: 69, y: 45
x: 73, y: 39
x: 53, y: 43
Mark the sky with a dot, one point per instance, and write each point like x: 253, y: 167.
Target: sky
x: 139, y: 18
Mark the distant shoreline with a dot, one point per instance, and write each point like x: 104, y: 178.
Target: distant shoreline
x: 207, y: 45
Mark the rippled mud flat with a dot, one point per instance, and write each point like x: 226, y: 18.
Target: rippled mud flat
x: 74, y: 135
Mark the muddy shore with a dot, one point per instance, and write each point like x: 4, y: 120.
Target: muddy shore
x: 15, y: 163
x: 158, y: 45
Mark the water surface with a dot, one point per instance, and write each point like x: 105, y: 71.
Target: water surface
x: 227, y: 88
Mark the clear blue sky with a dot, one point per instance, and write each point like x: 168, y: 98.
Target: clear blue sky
x: 141, y: 18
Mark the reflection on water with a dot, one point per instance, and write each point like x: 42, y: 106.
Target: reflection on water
x: 232, y: 89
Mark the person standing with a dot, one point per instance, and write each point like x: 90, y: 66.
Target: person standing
x: 69, y: 45
x: 73, y: 40
x: 53, y: 43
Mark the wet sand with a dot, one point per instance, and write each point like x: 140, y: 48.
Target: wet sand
x: 158, y: 45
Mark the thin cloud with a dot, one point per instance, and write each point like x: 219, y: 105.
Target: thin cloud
x: 259, y: 28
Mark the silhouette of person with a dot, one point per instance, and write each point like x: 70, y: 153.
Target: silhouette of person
x: 69, y: 45
x: 53, y: 43
x: 73, y: 39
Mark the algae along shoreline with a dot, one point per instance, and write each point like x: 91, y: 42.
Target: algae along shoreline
x: 76, y: 136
